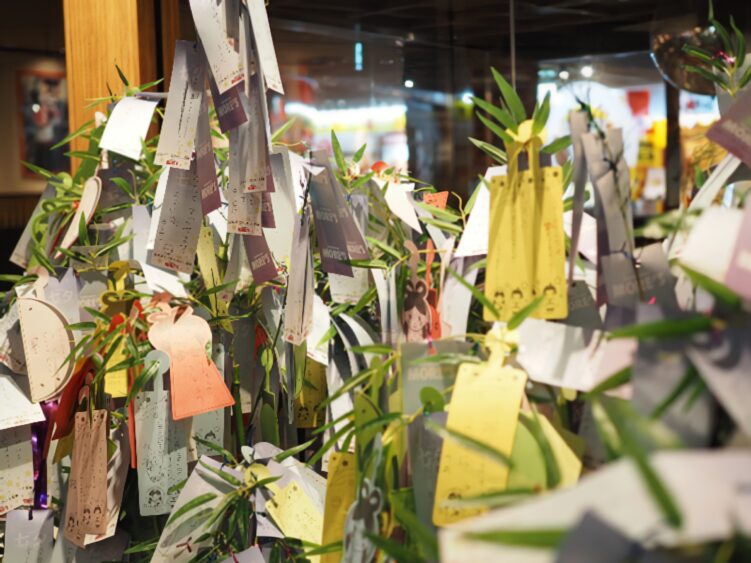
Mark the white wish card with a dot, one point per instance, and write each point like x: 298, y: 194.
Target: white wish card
x: 264, y: 44
x: 16, y: 468
x: 298, y: 309
x: 707, y: 250
x: 11, y: 343
x: 156, y: 211
x: 399, y: 198
x: 248, y: 145
x: 179, y: 222
x: 161, y: 443
x: 47, y: 344
x: 17, y: 409
x: 179, y: 541
x: 724, y: 359
x: 474, y: 241
x: 570, y: 356
x: 284, y: 206
x: 705, y: 486
x: 22, y: 251
x: 29, y: 536
x: 244, y: 207
x: 178, y: 134
x: 127, y: 127
x: 157, y: 279
x: 319, y: 327
x: 224, y: 60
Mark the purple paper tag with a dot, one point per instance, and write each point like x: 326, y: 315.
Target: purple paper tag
x: 733, y: 130
x: 738, y: 277
x: 332, y: 241
x: 205, y: 167
x: 259, y: 256
x: 229, y: 109
x: 356, y: 247
x: 267, y: 211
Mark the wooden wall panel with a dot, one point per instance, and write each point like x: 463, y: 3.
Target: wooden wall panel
x: 98, y: 35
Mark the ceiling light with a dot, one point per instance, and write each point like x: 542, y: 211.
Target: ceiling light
x: 564, y: 74
x: 587, y: 71
x: 409, y: 84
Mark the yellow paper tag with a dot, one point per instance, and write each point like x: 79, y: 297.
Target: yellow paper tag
x: 526, y: 251
x: 207, y: 264
x: 484, y: 406
x: 295, y: 513
x: 340, y: 494
x: 308, y: 412
x: 116, y: 382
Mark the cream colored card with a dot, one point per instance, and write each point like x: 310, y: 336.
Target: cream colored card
x: 706, y: 486
x: 11, y: 343
x: 127, y: 127
x: 17, y: 410
x: 29, y: 536
x: 178, y: 133
x: 161, y: 444
x: 319, y: 327
x: 298, y: 309
x: 259, y: 20
x: 474, y: 241
x: 92, y: 190
x: 244, y: 208
x: 294, y: 513
x: 224, y: 60
x: 16, y: 468
x: 485, y: 406
x: 179, y: 222
x: 47, y: 344
x: 179, y: 541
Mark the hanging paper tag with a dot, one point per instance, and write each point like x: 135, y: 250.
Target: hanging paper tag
x: 195, y: 382
x: 47, y: 345
x: 259, y: 256
x: 485, y: 406
x: 229, y: 109
x: 16, y: 468
x: 29, y: 536
x: 127, y: 127
x: 11, y: 343
x: 86, y: 506
x: 161, y: 442
x: 17, y: 409
x: 732, y: 131
x: 264, y: 45
x: 332, y: 240
x: 179, y: 222
x: 298, y: 309
x: 178, y: 134
x: 340, y: 494
x: 224, y: 61
x: 738, y: 277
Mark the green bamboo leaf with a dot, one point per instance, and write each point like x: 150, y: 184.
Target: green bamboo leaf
x: 360, y: 152
x: 493, y: 152
x: 121, y: 75
x: 476, y: 293
x: 558, y: 145
x: 294, y: 450
x: 231, y: 479
x: 634, y: 449
x: 279, y: 133
x: 704, y: 73
x: 269, y: 424
x: 432, y: 400
x: 468, y: 442
x: 510, y: 97
x: 495, y: 129
x: 148, y: 545
x: 372, y: 349
x: 716, y: 289
x: 338, y: 154
x: 543, y: 539
x: 226, y: 454
x: 77, y: 133
x: 666, y: 328
x: 515, y: 321
x: 443, y: 214
x: 724, y: 35
x: 385, y: 247
x: 500, y: 114
x: 688, y: 380
x: 703, y: 55
x: 324, y: 549
x: 372, y: 264
x: 424, y: 537
x: 552, y: 471
x: 200, y: 500
x: 616, y: 380
x: 394, y: 549
x: 540, y: 117
x: 444, y: 225
x: 37, y: 169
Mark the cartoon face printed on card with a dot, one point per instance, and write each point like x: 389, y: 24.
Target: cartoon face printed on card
x: 416, y: 315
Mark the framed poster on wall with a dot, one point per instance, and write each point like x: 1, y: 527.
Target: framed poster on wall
x: 43, y: 113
